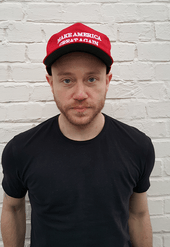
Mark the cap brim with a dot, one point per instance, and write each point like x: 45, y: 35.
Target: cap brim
x: 79, y: 47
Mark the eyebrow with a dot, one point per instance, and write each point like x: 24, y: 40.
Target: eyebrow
x: 64, y: 73
x: 70, y: 73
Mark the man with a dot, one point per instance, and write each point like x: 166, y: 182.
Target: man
x: 86, y: 173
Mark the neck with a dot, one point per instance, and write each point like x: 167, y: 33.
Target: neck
x: 81, y: 133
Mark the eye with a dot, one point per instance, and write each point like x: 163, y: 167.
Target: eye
x: 91, y: 79
x: 66, y: 81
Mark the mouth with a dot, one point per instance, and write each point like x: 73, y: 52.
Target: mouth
x: 80, y: 109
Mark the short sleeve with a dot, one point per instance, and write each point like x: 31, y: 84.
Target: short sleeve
x: 11, y: 183
x: 144, y: 183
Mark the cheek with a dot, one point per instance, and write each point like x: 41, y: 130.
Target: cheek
x: 61, y: 95
x: 100, y: 90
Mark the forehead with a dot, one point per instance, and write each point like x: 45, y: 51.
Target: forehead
x: 76, y: 60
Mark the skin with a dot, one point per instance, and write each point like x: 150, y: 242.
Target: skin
x: 79, y: 84
x: 13, y: 221
x: 140, y: 229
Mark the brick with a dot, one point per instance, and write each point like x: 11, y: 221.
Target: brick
x: 65, y: 1
x: 36, y: 52
x: 11, y: 92
x: 167, y: 166
x: 1, y: 149
x: 157, y: 241
x: 167, y: 85
x: 159, y: 187
x: 8, y: 131
x: 120, y: 90
x: 129, y: 110
x: 28, y: 230
x: 51, y: 28
x: 153, y: 90
x: 154, y: 52
x: 157, y: 170
x: 119, y: 12
x: 123, y: 52
x: 11, y: 11
x: 133, y: 71
x: 3, y: 72
x: 34, y: 111
x: 154, y: 128
x: 12, y: 53
x: 167, y: 206
x: 162, y: 148
x: 22, y: 111
x: 162, y: 31
x: 84, y: 12
x: 152, y: 12
x: 1, y: 194
x: 143, y: 71
x: 27, y: 243
x: 1, y: 34
x: 49, y: 110
x: 24, y: 32
x: 41, y: 92
x: 40, y: 12
x: 3, y: 112
x: 135, y: 32
x: 167, y: 241
x: 162, y: 72
x: 1, y: 175
x: 110, y: 29
x: 28, y: 72
x: 160, y: 109
x: 108, y: 108
x: 28, y: 211
x: 160, y: 224
x: 136, y: 1
x: 155, y: 206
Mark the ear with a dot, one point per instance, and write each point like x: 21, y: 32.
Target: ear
x: 108, y: 79
x: 50, y: 81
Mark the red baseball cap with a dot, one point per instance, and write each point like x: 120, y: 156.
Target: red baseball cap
x: 78, y: 37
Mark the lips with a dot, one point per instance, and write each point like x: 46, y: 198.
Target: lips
x: 80, y: 109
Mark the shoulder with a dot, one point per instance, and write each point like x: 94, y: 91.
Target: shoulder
x: 29, y: 136
x: 128, y: 135
x: 40, y: 129
x: 123, y: 127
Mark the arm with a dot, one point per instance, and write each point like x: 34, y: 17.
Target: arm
x: 140, y: 229
x: 13, y: 221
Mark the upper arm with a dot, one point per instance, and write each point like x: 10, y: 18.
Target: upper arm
x: 138, y: 204
x: 11, y: 203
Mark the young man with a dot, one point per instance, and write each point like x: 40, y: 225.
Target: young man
x: 86, y: 173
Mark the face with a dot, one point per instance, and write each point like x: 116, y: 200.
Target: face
x: 79, y: 84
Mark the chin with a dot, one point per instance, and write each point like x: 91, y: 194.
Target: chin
x: 80, y: 121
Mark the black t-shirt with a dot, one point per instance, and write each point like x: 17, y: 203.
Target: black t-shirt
x: 79, y: 190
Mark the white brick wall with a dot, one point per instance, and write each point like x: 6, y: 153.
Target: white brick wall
x: 139, y: 93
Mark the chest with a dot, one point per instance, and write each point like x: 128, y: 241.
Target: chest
x: 66, y: 175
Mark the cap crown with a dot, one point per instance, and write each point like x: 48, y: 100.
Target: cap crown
x: 78, y: 37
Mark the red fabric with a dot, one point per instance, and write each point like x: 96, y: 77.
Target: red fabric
x: 78, y: 33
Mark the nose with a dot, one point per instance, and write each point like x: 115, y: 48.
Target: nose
x: 80, y: 92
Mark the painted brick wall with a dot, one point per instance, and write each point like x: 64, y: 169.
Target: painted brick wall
x: 139, y: 93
